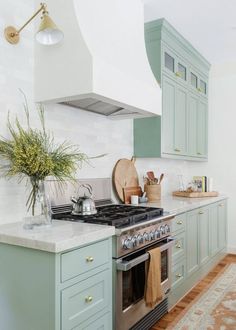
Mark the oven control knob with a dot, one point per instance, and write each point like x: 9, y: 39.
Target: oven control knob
x: 152, y: 235
x: 139, y: 239
x: 145, y: 237
x: 162, y: 229
x: 157, y: 234
x: 134, y: 241
x: 127, y: 244
x: 167, y: 229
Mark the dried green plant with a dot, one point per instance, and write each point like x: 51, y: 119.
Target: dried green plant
x: 33, y: 153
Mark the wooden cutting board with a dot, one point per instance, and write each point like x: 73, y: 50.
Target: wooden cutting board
x: 124, y: 175
x: 129, y: 191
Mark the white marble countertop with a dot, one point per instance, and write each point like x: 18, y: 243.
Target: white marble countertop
x: 61, y: 236
x: 178, y: 205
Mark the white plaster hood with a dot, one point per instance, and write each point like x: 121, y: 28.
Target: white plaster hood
x: 101, y: 65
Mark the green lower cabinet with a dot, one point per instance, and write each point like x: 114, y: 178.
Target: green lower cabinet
x: 204, y: 232
x: 192, y: 233
x: 56, y: 291
x: 84, y: 299
x: 204, y: 235
x: 222, y: 221
x: 178, y: 249
x: 178, y: 273
x: 214, y: 229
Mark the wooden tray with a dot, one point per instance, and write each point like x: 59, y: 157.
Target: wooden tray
x: 195, y: 194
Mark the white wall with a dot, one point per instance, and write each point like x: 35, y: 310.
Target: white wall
x: 16, y: 71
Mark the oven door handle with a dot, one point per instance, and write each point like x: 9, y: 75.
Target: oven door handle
x: 127, y: 265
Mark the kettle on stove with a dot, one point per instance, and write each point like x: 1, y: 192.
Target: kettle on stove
x: 84, y: 205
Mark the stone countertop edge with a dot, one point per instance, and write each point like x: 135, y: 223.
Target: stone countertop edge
x: 178, y: 205
x: 60, y: 237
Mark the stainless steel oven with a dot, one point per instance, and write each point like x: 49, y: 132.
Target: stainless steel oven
x: 131, y: 281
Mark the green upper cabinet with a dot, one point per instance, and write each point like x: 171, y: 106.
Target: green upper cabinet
x: 182, y: 72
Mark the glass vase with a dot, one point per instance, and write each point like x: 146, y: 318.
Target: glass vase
x: 41, y: 209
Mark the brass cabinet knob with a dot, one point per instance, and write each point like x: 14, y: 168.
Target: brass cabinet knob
x: 177, y: 150
x: 201, y: 212
x: 88, y: 299
x: 178, y: 74
x: 199, y: 153
x: 178, y: 245
x: 199, y: 89
x: 221, y: 205
x: 89, y: 259
x: 178, y: 275
x: 179, y: 222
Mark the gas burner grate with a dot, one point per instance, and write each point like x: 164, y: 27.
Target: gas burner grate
x: 117, y: 215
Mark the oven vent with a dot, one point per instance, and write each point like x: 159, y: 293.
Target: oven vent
x: 151, y: 318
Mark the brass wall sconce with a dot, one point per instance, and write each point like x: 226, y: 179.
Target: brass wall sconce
x: 48, y: 33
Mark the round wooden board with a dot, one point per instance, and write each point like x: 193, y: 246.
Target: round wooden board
x: 124, y: 175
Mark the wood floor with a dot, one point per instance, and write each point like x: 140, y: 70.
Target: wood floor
x: 164, y: 322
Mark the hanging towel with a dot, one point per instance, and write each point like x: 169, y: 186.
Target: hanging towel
x: 153, y: 290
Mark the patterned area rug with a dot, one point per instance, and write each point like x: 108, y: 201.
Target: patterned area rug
x: 215, y: 309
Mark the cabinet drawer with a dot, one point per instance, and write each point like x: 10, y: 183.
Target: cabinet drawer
x: 179, y: 223
x: 178, y: 274
x: 178, y: 249
x: 102, y: 323
x: 82, y: 260
x: 83, y: 300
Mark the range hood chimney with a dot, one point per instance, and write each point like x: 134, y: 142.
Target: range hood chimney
x: 101, y: 65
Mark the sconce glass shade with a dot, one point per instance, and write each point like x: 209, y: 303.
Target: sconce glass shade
x: 48, y: 33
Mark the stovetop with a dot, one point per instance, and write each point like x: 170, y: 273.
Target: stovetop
x: 118, y: 215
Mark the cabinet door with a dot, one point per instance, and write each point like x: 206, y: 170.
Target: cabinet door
x: 202, y: 119
x: 180, y: 127
x: 213, y: 217
x: 204, y: 243
x: 192, y: 125
x: 192, y: 242
x: 222, y: 224
x: 168, y: 116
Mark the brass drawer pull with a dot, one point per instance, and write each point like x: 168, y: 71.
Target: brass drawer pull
x: 89, y: 259
x: 201, y: 212
x: 177, y: 150
x: 178, y: 275
x: 221, y: 205
x: 88, y: 299
x: 179, y: 222
x: 199, y: 153
x: 178, y: 245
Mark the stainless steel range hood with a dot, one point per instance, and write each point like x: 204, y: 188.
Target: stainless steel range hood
x: 102, y: 65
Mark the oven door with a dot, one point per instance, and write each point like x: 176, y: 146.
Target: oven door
x: 131, y: 280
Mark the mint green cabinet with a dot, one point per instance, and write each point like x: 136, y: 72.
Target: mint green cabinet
x: 174, y: 121
x: 204, y: 235
x: 56, y: 291
x: 192, y: 234
x: 204, y: 232
x: 214, y: 229
x: 182, y: 73
x: 222, y: 222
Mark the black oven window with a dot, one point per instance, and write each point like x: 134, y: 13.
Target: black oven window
x: 164, y: 265
x: 133, y: 285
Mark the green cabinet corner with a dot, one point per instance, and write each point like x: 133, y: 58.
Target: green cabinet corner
x: 56, y: 291
x: 181, y: 132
